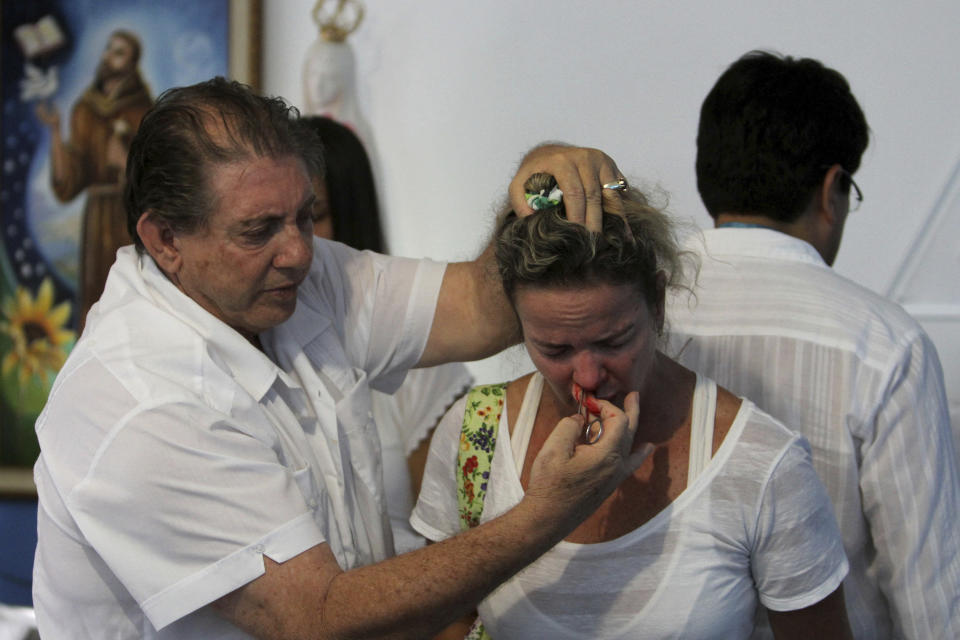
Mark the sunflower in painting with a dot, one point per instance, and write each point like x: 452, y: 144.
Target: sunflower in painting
x: 36, y: 328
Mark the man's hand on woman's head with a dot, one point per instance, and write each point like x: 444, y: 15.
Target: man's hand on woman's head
x: 580, y: 173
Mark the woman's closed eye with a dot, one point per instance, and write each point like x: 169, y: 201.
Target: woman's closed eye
x: 612, y: 345
x: 618, y: 341
x: 553, y: 351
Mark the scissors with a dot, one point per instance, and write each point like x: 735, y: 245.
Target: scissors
x: 590, y: 436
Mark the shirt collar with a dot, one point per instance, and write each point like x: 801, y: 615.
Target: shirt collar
x: 249, y: 366
x: 760, y: 243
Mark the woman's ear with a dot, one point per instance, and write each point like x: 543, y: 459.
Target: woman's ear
x: 160, y: 242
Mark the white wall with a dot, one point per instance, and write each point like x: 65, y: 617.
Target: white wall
x: 456, y: 91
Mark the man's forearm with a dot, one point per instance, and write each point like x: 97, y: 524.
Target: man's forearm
x: 423, y: 591
x: 473, y: 319
x: 411, y: 596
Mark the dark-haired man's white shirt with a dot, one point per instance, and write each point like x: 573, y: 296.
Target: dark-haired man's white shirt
x: 861, y: 380
x: 175, y: 455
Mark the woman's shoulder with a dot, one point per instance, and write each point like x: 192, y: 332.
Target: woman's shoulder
x: 727, y: 409
x: 763, y: 438
x: 516, y: 391
x: 759, y: 455
x: 519, y: 385
x: 483, y: 401
x: 759, y: 419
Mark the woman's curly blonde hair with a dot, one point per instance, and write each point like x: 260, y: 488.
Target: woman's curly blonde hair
x: 637, y: 242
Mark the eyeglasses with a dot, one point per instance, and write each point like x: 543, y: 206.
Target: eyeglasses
x: 857, y: 198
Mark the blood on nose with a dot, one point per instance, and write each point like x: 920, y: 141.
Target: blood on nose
x: 589, y: 400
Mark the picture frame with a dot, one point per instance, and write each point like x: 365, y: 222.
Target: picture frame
x: 50, y: 52
x: 246, y: 32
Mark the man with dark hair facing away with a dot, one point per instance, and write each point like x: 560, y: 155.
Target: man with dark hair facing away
x: 778, y: 144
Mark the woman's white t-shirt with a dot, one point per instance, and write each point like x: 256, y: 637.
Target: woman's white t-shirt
x: 755, y: 527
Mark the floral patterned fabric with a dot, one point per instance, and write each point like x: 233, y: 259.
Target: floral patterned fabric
x: 477, y: 442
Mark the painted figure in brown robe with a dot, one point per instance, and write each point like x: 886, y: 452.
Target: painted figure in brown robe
x: 102, y: 123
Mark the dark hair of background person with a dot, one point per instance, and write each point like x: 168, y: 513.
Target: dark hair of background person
x: 351, y: 190
x: 188, y: 130
x: 769, y: 130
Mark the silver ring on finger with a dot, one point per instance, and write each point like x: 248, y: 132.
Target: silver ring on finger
x: 619, y: 185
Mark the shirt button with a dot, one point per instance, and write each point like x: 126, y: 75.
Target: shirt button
x: 258, y: 548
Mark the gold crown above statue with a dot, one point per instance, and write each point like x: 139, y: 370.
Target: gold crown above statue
x: 344, y: 20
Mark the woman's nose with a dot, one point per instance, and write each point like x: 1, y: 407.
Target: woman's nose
x: 588, y: 370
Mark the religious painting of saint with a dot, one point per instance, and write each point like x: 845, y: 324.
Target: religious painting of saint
x: 77, y: 77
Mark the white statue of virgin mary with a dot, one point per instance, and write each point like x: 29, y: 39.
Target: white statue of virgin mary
x: 329, y: 69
